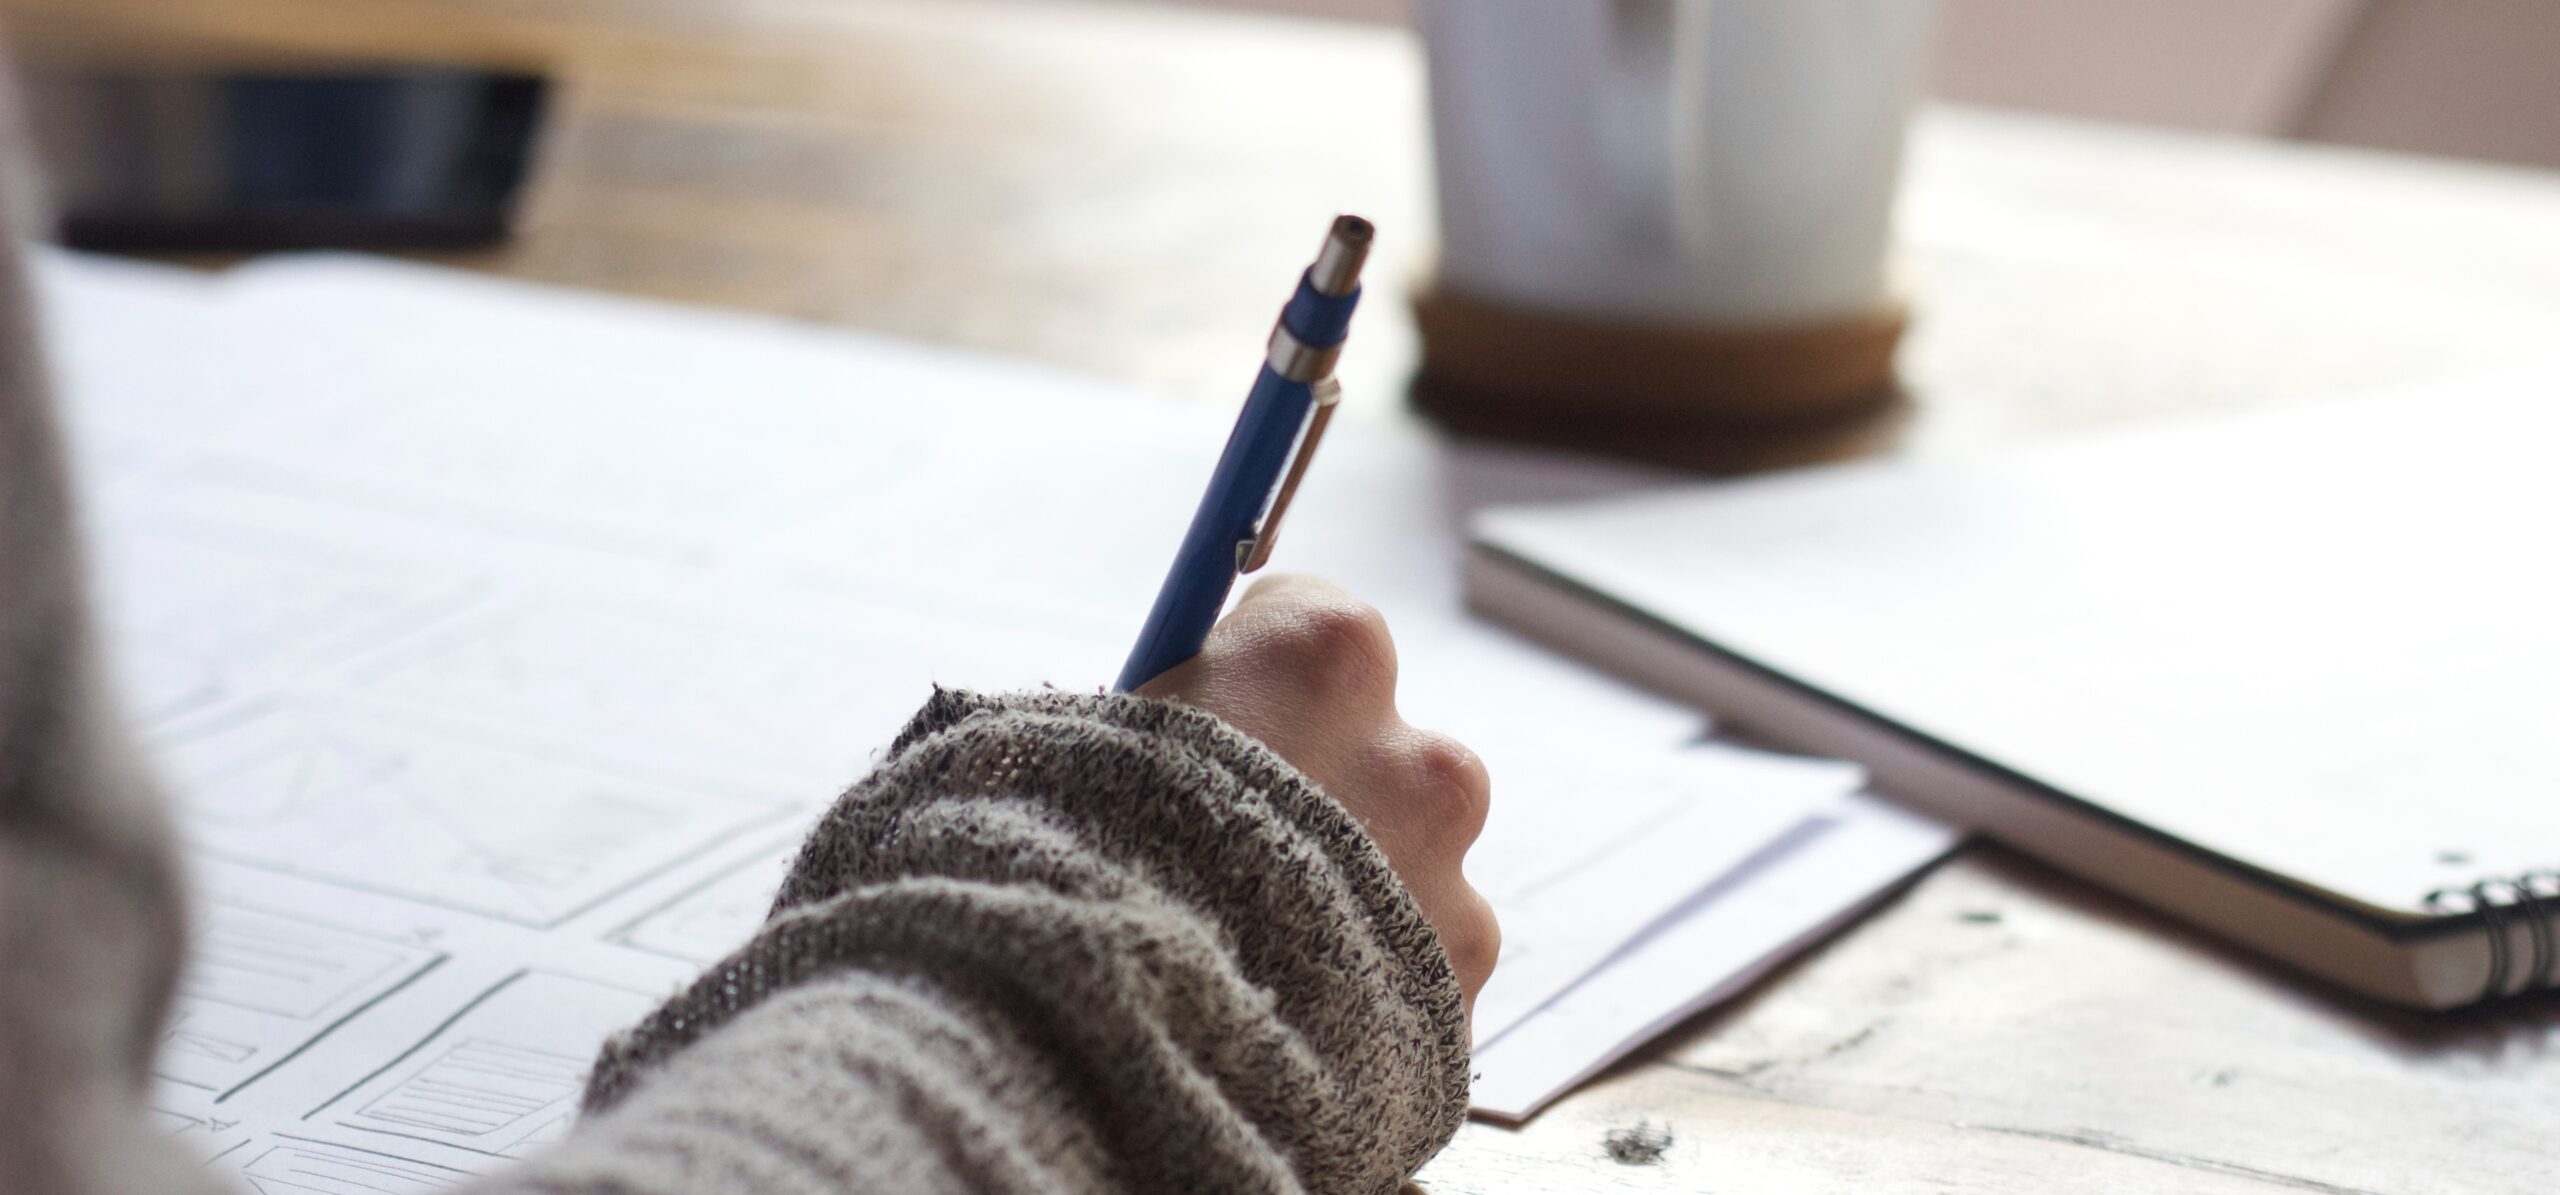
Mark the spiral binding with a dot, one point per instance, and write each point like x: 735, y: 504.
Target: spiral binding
x: 2532, y: 897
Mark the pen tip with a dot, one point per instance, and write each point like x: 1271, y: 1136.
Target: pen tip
x: 1346, y: 248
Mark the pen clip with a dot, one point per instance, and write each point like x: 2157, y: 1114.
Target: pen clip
x: 1254, y: 551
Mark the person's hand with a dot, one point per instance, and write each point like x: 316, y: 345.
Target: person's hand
x: 1311, y: 672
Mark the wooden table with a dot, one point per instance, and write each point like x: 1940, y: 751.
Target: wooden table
x: 1114, y: 189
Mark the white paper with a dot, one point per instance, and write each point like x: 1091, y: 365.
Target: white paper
x: 1732, y: 933
x: 1608, y: 850
x: 498, y: 645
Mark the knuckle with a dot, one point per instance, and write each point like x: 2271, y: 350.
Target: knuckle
x: 1342, y: 645
x: 1452, y: 784
x: 1474, y: 941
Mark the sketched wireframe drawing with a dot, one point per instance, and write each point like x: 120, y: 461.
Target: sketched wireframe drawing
x: 501, y: 830
x: 499, y: 1078
x: 260, y: 986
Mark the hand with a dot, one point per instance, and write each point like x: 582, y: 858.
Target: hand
x: 1311, y: 672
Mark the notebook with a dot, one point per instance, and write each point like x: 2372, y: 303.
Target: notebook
x: 2292, y: 676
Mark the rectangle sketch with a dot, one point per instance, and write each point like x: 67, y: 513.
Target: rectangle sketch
x: 804, y: 695
x: 286, y: 1167
x: 259, y: 986
x: 703, y: 924
x: 506, y: 831
x: 792, y: 701
x: 202, y: 1132
x: 196, y: 613
x: 502, y: 1077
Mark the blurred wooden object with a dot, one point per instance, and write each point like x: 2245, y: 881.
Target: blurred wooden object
x: 1115, y: 189
x: 1665, y: 393
x: 1053, y: 181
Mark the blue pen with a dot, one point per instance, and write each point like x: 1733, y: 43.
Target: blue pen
x: 1239, y: 516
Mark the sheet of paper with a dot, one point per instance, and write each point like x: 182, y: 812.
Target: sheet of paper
x: 1607, y: 850
x: 498, y: 644
x: 1729, y: 935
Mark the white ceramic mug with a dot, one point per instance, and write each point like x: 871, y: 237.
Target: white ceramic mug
x: 1716, y: 162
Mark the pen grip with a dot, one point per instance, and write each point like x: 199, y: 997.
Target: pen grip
x: 1204, y: 569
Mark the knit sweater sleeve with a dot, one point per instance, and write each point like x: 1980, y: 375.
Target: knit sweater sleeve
x: 1053, y: 943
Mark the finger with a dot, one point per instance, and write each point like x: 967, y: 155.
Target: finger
x: 1446, y: 791
x: 1309, y: 635
x: 1225, y: 660
x: 1471, y: 936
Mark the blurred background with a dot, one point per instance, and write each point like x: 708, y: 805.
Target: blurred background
x: 2172, y: 206
x: 2471, y: 79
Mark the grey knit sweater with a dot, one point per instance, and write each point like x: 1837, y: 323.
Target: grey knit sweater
x: 1053, y: 943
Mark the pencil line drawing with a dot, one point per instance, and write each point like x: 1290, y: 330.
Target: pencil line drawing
x: 300, y: 1168
x: 443, y: 820
x: 773, y: 693
x: 476, y: 1089
x: 200, y: 611
x: 500, y: 1077
x: 260, y: 988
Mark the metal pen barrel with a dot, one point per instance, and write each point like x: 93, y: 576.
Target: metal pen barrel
x: 1305, y: 343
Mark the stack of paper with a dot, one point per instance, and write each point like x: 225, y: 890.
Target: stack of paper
x: 498, y: 643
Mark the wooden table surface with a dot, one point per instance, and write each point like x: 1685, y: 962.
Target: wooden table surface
x: 1115, y: 188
